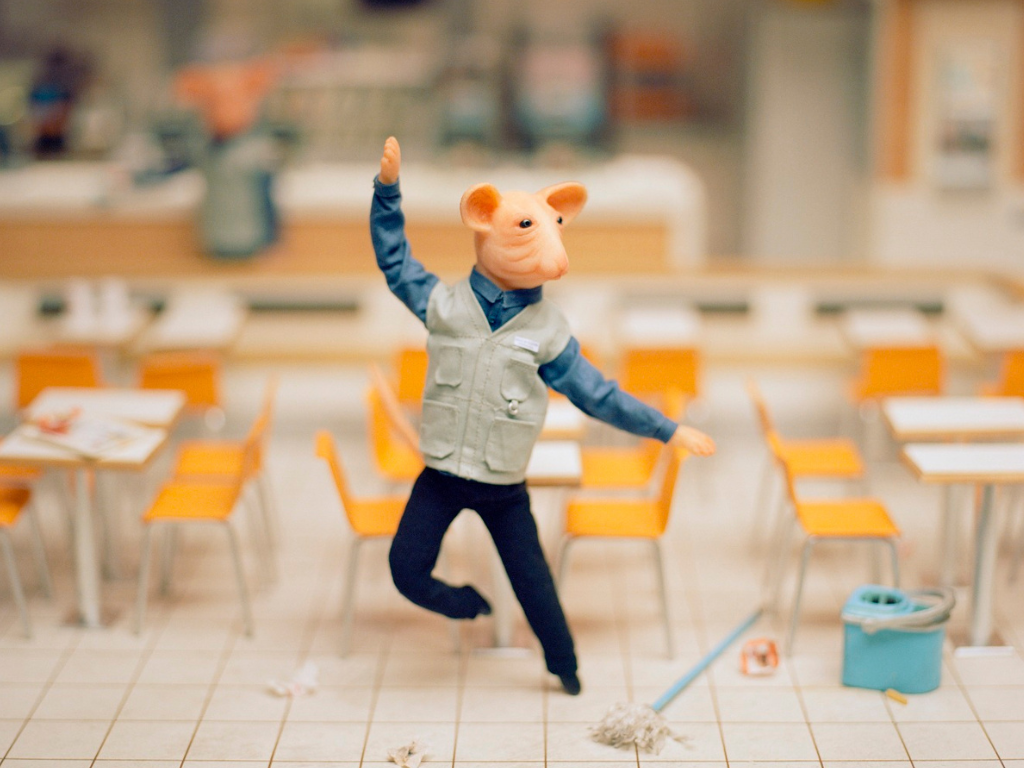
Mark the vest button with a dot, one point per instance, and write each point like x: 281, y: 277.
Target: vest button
x: 513, y: 407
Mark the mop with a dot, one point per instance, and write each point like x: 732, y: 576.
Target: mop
x: 642, y: 725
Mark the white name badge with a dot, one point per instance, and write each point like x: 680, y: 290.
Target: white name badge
x: 525, y: 343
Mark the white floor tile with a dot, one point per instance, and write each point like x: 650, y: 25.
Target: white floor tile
x: 234, y: 741
x: 165, y: 702
x: 758, y: 705
x: 141, y: 740
x: 759, y: 741
x: 59, y: 740
x: 500, y: 741
x: 321, y: 742
x: 858, y: 741
x: 18, y: 699
x: 329, y: 705
x: 998, y: 704
x: 946, y: 741
x: 80, y: 702
x: 244, y: 703
x: 844, y: 705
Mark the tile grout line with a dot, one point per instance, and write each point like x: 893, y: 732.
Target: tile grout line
x: 965, y: 692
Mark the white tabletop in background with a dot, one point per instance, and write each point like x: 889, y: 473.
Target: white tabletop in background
x: 563, y: 421
x: 216, y: 325
x: 865, y: 328
x: 20, y: 448
x: 555, y: 463
x: 103, y: 331
x: 997, y: 330
x: 659, y: 326
x: 966, y: 462
x: 953, y: 418
x: 150, y: 407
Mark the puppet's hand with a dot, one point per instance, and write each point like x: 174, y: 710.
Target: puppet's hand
x: 693, y: 440
x: 390, y: 161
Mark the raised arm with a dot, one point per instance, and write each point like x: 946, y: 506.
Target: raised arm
x: 586, y: 387
x: 405, y: 276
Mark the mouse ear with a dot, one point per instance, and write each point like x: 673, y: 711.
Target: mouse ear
x: 568, y: 198
x: 478, y: 206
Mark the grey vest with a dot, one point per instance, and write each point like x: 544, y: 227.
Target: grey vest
x: 484, y: 402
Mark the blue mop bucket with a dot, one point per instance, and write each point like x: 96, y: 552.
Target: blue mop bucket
x: 894, y: 639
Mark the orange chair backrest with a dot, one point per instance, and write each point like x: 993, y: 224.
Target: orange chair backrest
x: 763, y: 415
x: 381, y: 439
x: 196, y: 374
x: 39, y: 369
x: 325, y: 450
x: 901, y: 371
x: 411, y: 367
x: 648, y: 371
x: 1011, y: 378
x: 668, y: 485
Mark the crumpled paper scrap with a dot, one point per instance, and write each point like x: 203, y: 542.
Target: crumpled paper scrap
x: 627, y: 724
x: 409, y: 756
x: 303, y: 682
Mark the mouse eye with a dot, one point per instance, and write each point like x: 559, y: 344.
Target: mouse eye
x: 559, y: 219
x: 526, y: 223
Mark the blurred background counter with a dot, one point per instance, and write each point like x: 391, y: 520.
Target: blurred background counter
x: 645, y: 214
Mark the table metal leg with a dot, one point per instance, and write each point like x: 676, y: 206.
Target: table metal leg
x: 986, y: 539
x: 85, y: 553
x: 948, y: 535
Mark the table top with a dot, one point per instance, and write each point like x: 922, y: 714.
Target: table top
x: 954, y: 418
x: 103, y: 331
x: 966, y: 462
x: 995, y: 330
x: 659, y: 326
x: 563, y: 421
x: 555, y: 463
x: 204, y: 322
x: 865, y: 328
x: 20, y: 447
x: 150, y: 407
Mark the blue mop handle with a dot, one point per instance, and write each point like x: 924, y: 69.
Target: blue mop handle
x: 704, y: 663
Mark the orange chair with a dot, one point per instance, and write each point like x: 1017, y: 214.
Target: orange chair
x: 15, y: 500
x: 411, y: 375
x: 628, y: 518
x: 56, y: 367
x: 823, y: 458
x: 618, y: 467
x: 196, y: 501
x: 221, y: 460
x: 197, y: 374
x: 369, y: 518
x: 855, y: 519
x: 1011, y: 377
x: 392, y: 437
x: 888, y: 371
x: 669, y: 374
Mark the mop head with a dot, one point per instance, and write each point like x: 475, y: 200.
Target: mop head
x: 627, y: 724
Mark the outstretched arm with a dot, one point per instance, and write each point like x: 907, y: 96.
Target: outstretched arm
x: 586, y: 387
x: 405, y: 276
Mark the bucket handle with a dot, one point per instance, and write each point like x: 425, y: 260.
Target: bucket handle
x: 943, y: 602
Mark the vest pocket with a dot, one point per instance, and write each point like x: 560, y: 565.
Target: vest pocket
x: 449, y: 366
x: 438, y: 429
x: 518, y: 380
x: 509, y: 445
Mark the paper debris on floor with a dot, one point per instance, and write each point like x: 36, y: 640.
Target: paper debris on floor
x: 303, y: 682
x: 409, y: 756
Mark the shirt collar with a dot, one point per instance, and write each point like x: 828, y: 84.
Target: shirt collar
x: 520, y: 297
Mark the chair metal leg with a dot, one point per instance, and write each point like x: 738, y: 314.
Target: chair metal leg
x: 12, y: 576
x: 1017, y: 554
x: 140, y: 598
x: 39, y: 550
x: 774, y: 585
x: 795, y: 618
x: 243, y: 591
x: 268, y: 506
x: 261, y: 547
x: 562, y: 559
x: 761, y: 518
x: 348, y: 601
x: 894, y: 554
x: 659, y: 565
x: 168, y: 549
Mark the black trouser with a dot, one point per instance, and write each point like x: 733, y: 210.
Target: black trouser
x: 435, y: 502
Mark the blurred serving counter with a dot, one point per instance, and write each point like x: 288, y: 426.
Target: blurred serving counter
x: 644, y: 215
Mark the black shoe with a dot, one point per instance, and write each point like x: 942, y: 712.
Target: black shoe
x: 571, y: 684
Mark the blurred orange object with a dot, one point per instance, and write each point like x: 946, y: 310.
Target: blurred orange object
x: 759, y: 656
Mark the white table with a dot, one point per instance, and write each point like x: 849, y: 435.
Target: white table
x: 986, y: 465
x: 954, y: 418
x: 995, y: 330
x: 866, y: 328
x: 20, y: 448
x: 150, y: 407
x: 563, y: 421
x: 659, y: 326
x: 205, y: 320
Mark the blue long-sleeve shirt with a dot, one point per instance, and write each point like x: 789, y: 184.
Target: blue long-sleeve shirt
x: 569, y: 373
